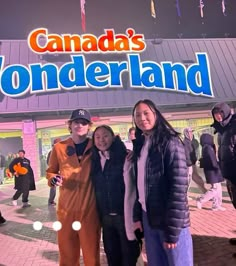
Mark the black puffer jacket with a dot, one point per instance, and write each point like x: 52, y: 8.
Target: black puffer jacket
x: 166, y: 189
x: 227, y: 141
x: 208, y: 161
x: 109, y: 182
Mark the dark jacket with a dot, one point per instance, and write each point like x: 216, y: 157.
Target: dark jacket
x: 209, y: 161
x: 196, y: 146
x: 48, y: 157
x: 166, y: 182
x: 109, y: 182
x: 227, y: 141
x: 2, y: 161
x: 23, y: 180
x: 189, y: 148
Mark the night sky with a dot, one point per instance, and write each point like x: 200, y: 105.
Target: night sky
x: 19, y: 17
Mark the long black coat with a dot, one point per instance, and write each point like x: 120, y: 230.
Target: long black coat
x: 209, y: 161
x: 23, y: 180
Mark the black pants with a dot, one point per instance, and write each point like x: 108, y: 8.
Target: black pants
x: 232, y: 191
x: 119, y: 250
x: 24, y: 191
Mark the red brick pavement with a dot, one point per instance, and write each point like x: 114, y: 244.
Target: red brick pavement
x: 20, y: 244
x: 211, y: 231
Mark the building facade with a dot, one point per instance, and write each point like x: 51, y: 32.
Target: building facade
x: 38, y: 118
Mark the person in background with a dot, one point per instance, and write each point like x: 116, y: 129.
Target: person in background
x: 195, y: 175
x: 225, y: 125
x: 2, y: 219
x: 9, y: 158
x: 107, y: 174
x: 191, y: 159
x: 212, y: 172
x: 161, y: 209
x: 69, y: 168
x: 24, y: 178
x: 2, y: 167
x: 196, y: 146
x: 131, y: 138
x: 52, y: 192
x: 190, y: 153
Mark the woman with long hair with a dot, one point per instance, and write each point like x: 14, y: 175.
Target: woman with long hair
x: 161, y: 208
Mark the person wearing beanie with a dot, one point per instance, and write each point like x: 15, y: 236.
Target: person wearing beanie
x: 212, y: 172
x: 225, y: 125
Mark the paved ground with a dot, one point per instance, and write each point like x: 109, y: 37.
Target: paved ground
x: 20, y: 244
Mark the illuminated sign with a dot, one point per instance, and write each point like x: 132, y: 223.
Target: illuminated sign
x: 17, y: 80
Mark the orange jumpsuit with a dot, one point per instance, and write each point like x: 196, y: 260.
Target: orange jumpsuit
x: 76, y: 203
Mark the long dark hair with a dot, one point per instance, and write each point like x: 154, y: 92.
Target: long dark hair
x: 162, y: 130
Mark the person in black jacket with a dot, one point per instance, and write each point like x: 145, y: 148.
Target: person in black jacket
x: 191, y: 158
x: 212, y: 172
x: 161, y: 209
x: 24, y: 178
x: 225, y: 125
x: 107, y: 175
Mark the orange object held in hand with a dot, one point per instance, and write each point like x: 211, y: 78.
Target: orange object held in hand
x: 20, y: 170
x: 8, y: 173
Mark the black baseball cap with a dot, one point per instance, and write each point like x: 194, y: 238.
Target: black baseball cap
x: 80, y: 114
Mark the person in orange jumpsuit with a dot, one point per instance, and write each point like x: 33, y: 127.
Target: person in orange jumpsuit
x: 69, y: 168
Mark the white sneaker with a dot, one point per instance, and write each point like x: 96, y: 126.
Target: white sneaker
x: 13, y: 203
x: 218, y: 208
x: 26, y: 204
x: 199, y: 204
x: 222, y: 208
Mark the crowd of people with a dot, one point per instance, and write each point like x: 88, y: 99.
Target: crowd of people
x: 134, y: 189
